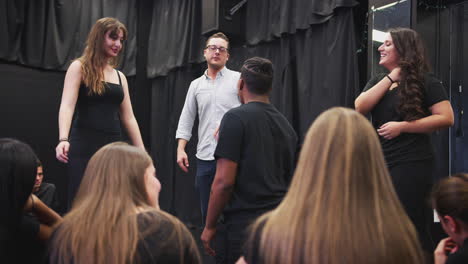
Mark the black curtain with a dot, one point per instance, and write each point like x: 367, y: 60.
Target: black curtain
x: 49, y: 34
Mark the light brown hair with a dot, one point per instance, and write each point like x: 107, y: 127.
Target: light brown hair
x: 341, y: 206
x: 93, y: 57
x: 102, y: 226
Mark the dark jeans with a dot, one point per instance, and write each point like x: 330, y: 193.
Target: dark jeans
x: 206, y: 170
x: 237, y: 227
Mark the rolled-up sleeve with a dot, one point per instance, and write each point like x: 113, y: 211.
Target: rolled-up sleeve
x: 189, y: 112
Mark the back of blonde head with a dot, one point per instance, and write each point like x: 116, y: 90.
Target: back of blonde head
x: 341, y: 206
x: 102, y: 225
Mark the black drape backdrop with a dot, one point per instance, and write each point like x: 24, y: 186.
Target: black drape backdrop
x: 49, y: 34
x: 311, y: 43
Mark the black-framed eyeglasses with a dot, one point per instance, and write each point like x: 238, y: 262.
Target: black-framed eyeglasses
x: 213, y: 48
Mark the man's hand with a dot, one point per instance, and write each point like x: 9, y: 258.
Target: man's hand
x: 391, y: 129
x: 446, y: 246
x: 206, y: 237
x: 182, y: 160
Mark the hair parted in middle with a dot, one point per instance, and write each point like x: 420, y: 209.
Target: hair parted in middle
x: 341, y: 206
x: 93, y: 57
x: 257, y: 73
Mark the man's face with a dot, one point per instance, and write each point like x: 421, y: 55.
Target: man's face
x: 216, y: 53
x: 39, y: 177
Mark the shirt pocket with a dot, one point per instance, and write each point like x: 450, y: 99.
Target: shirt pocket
x: 228, y: 100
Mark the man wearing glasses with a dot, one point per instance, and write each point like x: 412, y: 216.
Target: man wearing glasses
x: 209, y: 96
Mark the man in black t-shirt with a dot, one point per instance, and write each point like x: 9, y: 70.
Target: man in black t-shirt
x: 256, y: 155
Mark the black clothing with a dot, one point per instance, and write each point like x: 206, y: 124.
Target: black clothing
x: 251, y: 250
x: 407, y: 146
x: 48, y: 195
x: 409, y: 156
x: 27, y: 241
x: 96, y: 123
x: 263, y: 144
x: 459, y: 257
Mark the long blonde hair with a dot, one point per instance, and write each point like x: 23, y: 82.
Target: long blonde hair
x: 93, y: 57
x: 102, y: 226
x: 341, y: 206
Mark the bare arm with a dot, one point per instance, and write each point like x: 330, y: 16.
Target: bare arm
x: 128, y: 118
x: 367, y: 100
x: 441, y: 117
x: 46, y: 216
x: 67, y: 107
x: 182, y: 158
x: 221, y: 191
x: 241, y: 260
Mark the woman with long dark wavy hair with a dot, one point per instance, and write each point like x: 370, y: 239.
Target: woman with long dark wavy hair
x: 406, y: 105
x: 100, y: 94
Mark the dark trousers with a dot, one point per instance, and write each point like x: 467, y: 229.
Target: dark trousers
x: 237, y: 230
x: 413, y: 183
x: 206, y: 170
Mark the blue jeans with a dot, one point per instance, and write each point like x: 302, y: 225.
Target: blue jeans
x: 206, y: 170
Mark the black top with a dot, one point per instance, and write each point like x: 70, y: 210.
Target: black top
x: 407, y: 146
x: 48, y: 195
x: 99, y: 112
x: 459, y: 257
x: 28, y: 242
x: 264, y: 145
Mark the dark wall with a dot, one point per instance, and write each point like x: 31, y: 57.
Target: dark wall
x: 30, y: 99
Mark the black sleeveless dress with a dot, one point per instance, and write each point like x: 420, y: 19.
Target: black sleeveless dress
x: 96, y: 122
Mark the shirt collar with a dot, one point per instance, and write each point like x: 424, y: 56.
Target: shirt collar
x: 222, y: 72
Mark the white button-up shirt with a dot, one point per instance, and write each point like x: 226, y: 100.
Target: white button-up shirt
x: 211, y: 99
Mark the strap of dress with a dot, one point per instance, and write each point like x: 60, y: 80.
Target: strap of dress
x: 120, y: 81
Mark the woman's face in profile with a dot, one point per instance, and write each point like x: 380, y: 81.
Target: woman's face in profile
x: 389, y: 56
x: 153, y: 186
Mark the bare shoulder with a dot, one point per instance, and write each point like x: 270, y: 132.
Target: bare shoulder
x: 75, y: 67
x: 122, y: 75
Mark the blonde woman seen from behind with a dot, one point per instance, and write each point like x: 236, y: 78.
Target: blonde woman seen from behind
x: 115, y: 217
x: 341, y: 206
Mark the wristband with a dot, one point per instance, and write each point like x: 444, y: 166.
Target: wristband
x: 391, y: 80
x: 63, y: 139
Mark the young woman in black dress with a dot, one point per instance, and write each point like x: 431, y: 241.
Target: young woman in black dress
x: 95, y: 101
x: 406, y: 105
